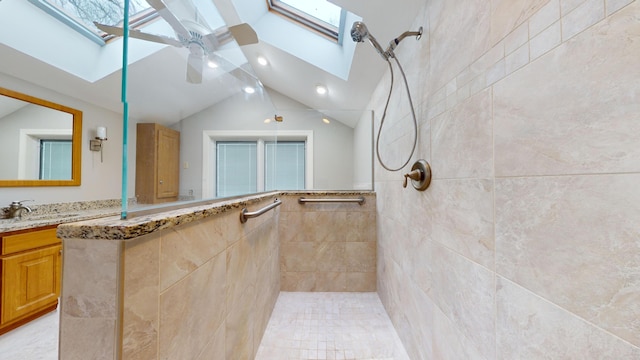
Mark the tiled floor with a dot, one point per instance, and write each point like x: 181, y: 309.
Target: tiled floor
x: 330, y: 326
x: 37, y: 340
x: 302, y: 326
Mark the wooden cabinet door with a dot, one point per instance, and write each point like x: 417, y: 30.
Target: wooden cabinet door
x: 30, y: 281
x: 168, y: 163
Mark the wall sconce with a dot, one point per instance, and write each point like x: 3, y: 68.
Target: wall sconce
x: 96, y: 144
x: 276, y: 118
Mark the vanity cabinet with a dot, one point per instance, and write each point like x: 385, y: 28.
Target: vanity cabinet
x: 30, y: 275
x: 157, y: 163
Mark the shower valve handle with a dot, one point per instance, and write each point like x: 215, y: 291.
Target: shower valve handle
x: 414, y: 175
x: 420, y: 175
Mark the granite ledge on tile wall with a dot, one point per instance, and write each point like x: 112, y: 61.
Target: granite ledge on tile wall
x: 113, y: 228
x: 327, y: 193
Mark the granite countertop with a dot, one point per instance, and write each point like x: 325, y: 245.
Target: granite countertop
x: 104, y: 222
x: 48, y: 215
x: 31, y: 221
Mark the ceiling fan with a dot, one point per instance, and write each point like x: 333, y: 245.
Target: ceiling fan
x: 194, y: 35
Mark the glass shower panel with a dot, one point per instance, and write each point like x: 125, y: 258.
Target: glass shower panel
x: 213, y: 96
x: 285, y: 165
x: 236, y: 168
x: 202, y: 88
x: 338, y: 152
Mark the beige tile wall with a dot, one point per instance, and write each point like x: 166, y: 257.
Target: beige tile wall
x: 526, y: 245
x: 328, y: 247
x: 89, y: 299
x: 202, y: 290
x: 206, y: 289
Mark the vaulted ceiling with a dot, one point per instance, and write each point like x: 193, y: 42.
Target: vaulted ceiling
x: 47, y: 53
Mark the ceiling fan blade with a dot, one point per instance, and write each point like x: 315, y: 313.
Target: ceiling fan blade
x: 244, y: 34
x: 113, y: 30
x: 194, y: 68
x: 155, y: 38
x: 212, y: 41
x: 117, y: 31
x: 168, y: 16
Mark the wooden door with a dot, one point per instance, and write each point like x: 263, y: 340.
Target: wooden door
x: 168, y: 163
x: 30, y: 281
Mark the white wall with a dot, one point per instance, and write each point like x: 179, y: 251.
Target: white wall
x: 28, y: 117
x: 363, y: 147
x: 100, y: 181
x: 334, y: 151
x: 333, y: 143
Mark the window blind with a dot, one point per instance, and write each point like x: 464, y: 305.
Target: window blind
x: 55, y: 159
x: 236, y: 168
x: 284, y: 165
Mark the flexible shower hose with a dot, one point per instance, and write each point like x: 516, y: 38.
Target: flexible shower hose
x: 384, y: 114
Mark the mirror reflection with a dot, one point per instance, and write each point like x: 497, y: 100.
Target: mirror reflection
x: 41, y: 137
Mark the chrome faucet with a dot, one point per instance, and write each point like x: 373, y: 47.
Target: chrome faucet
x: 16, y: 209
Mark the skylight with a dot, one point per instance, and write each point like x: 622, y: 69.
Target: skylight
x: 80, y: 14
x: 319, y: 15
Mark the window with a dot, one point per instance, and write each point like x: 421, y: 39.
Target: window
x: 236, y: 162
x: 37, y: 149
x: 284, y: 165
x: 240, y: 166
x: 80, y: 14
x: 236, y: 168
x: 55, y: 160
x: 319, y: 15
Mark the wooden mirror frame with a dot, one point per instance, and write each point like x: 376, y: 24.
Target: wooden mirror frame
x: 76, y: 142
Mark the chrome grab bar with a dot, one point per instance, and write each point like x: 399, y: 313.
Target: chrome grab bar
x: 359, y: 200
x: 244, y: 214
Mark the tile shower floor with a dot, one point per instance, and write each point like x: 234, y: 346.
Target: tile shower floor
x: 330, y: 326
x: 302, y: 326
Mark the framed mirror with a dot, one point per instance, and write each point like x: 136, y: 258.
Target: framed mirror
x: 40, y: 142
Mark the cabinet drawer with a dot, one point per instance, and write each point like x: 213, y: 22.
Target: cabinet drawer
x: 30, y: 240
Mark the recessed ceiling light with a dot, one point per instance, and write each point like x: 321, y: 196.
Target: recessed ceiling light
x: 249, y: 89
x: 212, y: 64
x: 262, y: 61
x: 326, y: 121
x: 321, y: 89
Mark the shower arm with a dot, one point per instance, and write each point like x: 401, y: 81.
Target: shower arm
x: 394, y: 43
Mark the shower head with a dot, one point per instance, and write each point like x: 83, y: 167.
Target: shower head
x: 359, y: 33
